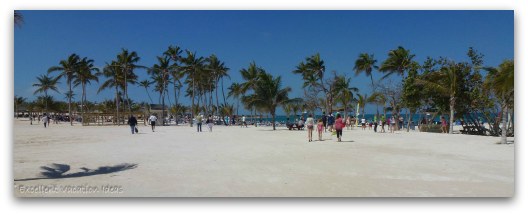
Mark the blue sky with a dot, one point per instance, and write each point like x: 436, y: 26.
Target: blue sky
x: 275, y: 40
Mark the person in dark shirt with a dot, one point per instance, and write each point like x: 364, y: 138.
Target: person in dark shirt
x: 325, y: 120
x: 132, y: 121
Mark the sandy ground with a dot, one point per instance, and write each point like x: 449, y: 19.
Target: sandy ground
x: 258, y: 162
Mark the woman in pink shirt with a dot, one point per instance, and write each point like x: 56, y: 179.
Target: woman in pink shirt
x: 339, y: 125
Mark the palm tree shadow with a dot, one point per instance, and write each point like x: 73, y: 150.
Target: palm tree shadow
x: 59, y: 171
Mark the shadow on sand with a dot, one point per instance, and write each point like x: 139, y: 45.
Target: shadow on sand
x: 58, y: 171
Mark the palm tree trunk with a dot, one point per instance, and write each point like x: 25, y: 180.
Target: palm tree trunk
x: 217, y: 103
x: 223, y: 94
x: 192, y: 103
x: 452, y: 114
x: 69, y: 102
x: 504, y: 116
x: 411, y: 112
x: 82, y: 104
x: 146, y: 89
x: 117, y: 105
x: 46, y: 100
x: 238, y: 103
x: 163, y: 109
x: 373, y: 89
x: 273, y: 119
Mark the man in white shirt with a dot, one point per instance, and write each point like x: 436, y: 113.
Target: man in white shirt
x: 244, y: 121
x: 152, y: 119
x: 363, y: 123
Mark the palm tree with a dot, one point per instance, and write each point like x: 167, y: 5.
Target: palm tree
x: 19, y: 101
x: 177, y: 74
x: 68, y: 69
x: 174, y: 53
x: 235, y: 90
x: 362, y: 101
x: 399, y: 61
x: 84, y: 76
x: 268, y: 94
x: 343, y: 91
x: 313, y: 75
x: 288, y: 108
x: 127, y: 62
x: 146, y: 84
x: 160, y: 73
x: 46, y: 83
x: 193, y: 66
x: 19, y: 18
x: 501, y: 82
x: 114, y: 79
x: 219, y: 71
x: 366, y: 63
x: 378, y: 98
x: 445, y: 81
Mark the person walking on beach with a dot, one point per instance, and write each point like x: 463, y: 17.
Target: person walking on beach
x: 243, y: 121
x: 132, y: 121
x: 339, y: 127
x: 383, y: 121
x: 199, y: 123
x: 331, y: 121
x: 375, y: 123
x: 392, y: 124
x: 310, y: 125
x: 45, y: 120
x: 348, y: 122
x: 444, y: 125
x: 152, y: 121
x: 320, y: 129
x: 209, y: 123
x: 363, y: 124
x: 325, y: 120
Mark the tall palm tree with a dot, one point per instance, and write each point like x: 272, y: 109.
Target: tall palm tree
x: 161, y: 74
x: 219, y: 71
x: 146, y: 84
x: 19, y: 101
x: 115, y: 80
x: 127, y: 63
x: 177, y: 75
x: 46, y: 83
x: 19, y: 18
x: 268, y: 94
x: 193, y: 66
x: 68, y: 69
x: 398, y: 62
x: 174, y: 53
x: 235, y: 91
x: 251, y: 77
x: 85, y: 76
x: 366, y: 63
x: 500, y: 81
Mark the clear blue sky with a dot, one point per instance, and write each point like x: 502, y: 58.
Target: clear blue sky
x: 275, y: 40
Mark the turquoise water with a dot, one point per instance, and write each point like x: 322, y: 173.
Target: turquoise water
x: 369, y: 117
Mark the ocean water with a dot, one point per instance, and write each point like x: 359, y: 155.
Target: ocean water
x: 369, y: 117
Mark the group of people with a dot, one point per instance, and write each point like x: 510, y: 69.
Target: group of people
x: 209, y: 122
x: 132, y: 122
x: 325, y: 123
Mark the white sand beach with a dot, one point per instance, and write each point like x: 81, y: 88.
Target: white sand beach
x: 257, y: 162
